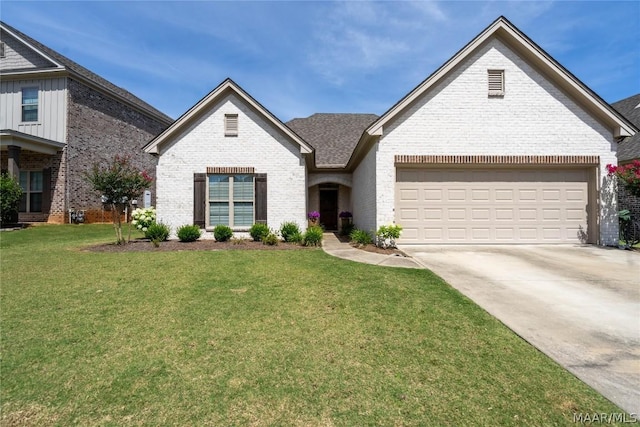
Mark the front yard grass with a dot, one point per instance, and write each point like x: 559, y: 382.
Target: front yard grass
x: 255, y: 338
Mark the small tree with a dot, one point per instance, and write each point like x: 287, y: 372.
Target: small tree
x: 118, y: 182
x: 10, y: 195
x: 628, y: 175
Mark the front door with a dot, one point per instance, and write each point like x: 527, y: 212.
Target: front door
x: 329, y: 208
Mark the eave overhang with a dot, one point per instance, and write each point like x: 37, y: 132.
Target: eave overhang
x: 195, y: 112
x: 29, y: 142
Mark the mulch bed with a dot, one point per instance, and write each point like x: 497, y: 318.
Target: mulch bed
x: 144, y: 245
x: 370, y: 248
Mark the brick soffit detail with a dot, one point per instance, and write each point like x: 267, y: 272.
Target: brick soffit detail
x: 497, y: 160
x: 230, y: 170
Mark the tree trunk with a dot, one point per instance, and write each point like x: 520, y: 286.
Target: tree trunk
x: 116, y: 213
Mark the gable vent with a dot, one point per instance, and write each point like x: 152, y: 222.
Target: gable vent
x: 2, y: 50
x: 231, y: 125
x: 496, y: 82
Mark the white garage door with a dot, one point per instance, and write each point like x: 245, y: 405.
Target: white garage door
x: 492, y: 206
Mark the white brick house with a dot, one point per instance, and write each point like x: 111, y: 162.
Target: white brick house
x: 499, y: 145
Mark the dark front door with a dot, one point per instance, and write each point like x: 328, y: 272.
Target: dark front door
x: 329, y: 208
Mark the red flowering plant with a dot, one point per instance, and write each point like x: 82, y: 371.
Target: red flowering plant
x: 118, y: 182
x: 628, y: 175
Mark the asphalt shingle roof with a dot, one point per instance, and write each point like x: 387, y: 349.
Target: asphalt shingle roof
x: 333, y: 135
x: 629, y: 148
x: 89, y: 75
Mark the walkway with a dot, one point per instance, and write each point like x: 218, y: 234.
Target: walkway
x: 335, y: 247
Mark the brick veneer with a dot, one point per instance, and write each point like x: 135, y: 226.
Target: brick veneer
x: 99, y: 128
x: 498, y: 160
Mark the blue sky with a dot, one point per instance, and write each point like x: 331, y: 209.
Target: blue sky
x: 302, y: 57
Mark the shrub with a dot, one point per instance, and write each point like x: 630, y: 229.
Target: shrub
x: 270, y: 239
x: 296, y: 238
x: 347, y: 229
x: 157, y: 232
x: 289, y: 230
x: 222, y: 233
x: 360, y: 236
x: 142, y: 218
x: 313, y: 236
x: 258, y: 231
x: 188, y: 233
x: 387, y: 235
x: 10, y: 195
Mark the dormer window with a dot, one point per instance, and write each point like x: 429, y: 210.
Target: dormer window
x: 230, y: 125
x: 496, y: 82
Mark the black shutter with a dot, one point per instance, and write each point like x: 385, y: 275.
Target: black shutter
x: 46, y: 190
x: 199, y: 198
x: 261, y: 198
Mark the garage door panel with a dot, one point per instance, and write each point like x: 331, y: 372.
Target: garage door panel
x: 489, y: 206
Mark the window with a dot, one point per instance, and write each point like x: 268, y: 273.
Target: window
x: 231, y: 199
x: 230, y: 125
x: 31, y: 183
x: 29, y: 104
x: 496, y: 82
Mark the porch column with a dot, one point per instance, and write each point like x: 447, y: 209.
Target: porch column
x: 13, y: 163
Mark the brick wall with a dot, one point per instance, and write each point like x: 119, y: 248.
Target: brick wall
x: 98, y: 128
x: 363, y: 195
x: 627, y: 201
x: 258, y: 145
x: 458, y: 118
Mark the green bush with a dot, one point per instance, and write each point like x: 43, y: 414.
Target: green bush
x: 157, y: 232
x: 188, y: 233
x: 296, y: 238
x: 387, y: 235
x: 10, y: 195
x: 313, y: 236
x: 259, y: 231
x: 347, y: 229
x: 222, y: 233
x: 270, y: 239
x: 360, y: 236
x: 290, y: 231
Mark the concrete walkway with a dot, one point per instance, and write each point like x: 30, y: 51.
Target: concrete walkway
x: 335, y: 247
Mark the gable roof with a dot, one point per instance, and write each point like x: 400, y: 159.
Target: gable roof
x: 201, y: 106
x: 62, y: 63
x: 519, y: 42
x: 629, y: 149
x: 334, y: 136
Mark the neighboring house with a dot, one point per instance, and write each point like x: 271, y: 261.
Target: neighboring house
x: 629, y: 150
x: 499, y: 145
x: 56, y: 120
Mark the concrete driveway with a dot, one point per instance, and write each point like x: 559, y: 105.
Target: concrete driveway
x: 580, y: 304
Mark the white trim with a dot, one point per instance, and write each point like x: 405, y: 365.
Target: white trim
x: 213, y: 96
x: 22, y: 104
x: 503, y: 29
x: 29, y: 45
x: 230, y: 201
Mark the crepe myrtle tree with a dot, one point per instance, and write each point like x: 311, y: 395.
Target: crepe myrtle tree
x: 118, y: 182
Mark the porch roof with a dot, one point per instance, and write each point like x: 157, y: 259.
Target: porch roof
x: 29, y: 142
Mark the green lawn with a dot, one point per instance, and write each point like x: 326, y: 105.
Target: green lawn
x: 283, y: 338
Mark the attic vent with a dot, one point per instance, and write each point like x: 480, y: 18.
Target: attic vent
x: 230, y: 125
x: 1, y: 49
x: 496, y: 82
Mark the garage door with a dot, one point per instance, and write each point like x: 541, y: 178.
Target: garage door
x: 492, y: 206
